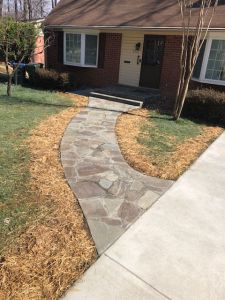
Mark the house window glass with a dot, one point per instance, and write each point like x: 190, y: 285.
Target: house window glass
x: 73, y: 48
x: 91, y: 49
x: 216, y: 63
x: 80, y: 49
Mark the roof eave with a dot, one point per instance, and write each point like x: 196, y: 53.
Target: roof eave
x: 159, y: 28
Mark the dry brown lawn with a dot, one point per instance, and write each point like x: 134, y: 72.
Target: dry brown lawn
x: 56, y: 248
x: 3, y: 68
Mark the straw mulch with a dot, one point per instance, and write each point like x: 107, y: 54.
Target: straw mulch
x: 56, y: 248
x: 128, y: 128
x: 3, y: 68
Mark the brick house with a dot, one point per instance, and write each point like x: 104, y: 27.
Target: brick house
x: 38, y: 56
x: 130, y: 42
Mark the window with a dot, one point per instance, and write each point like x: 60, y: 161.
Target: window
x: 73, y: 48
x: 216, y: 63
x: 210, y: 66
x: 80, y: 49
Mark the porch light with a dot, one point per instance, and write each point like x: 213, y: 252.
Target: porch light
x: 138, y: 46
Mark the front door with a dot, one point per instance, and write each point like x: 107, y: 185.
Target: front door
x: 152, y: 61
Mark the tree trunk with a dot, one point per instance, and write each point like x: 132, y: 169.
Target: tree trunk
x: 42, y: 9
x: 29, y: 4
x: 9, y: 86
x: 182, y: 98
x: 8, y: 6
x: 1, y: 7
x: 16, y: 9
x: 192, y: 42
x: 25, y: 10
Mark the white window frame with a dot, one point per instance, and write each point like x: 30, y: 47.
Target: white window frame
x: 205, y: 61
x: 83, y: 41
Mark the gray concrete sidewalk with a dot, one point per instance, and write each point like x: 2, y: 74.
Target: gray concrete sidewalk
x: 176, y: 250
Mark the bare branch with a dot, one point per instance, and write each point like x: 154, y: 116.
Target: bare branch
x: 195, y: 29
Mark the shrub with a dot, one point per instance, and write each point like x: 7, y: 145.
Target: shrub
x: 51, y: 80
x: 3, y: 77
x: 207, y: 105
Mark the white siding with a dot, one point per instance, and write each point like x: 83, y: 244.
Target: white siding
x: 130, y: 72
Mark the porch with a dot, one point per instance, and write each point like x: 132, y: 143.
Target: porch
x: 136, y: 96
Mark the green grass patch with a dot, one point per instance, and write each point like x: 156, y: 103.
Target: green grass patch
x: 161, y: 135
x: 21, y: 94
x: 20, y: 114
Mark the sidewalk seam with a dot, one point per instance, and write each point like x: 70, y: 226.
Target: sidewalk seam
x: 151, y: 286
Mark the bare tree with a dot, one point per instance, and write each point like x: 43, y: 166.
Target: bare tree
x: 54, y: 3
x: 17, y: 42
x: 41, y: 8
x: 26, y: 9
x: 30, y: 9
x: 1, y: 8
x: 16, y: 9
x: 196, y: 20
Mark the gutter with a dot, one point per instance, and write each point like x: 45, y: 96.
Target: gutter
x: 127, y: 28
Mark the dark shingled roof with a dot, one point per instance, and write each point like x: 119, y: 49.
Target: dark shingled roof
x: 122, y: 13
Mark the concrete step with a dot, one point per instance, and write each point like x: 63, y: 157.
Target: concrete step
x: 117, y: 99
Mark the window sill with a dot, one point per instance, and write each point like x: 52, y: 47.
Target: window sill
x: 79, y: 65
x: 207, y: 81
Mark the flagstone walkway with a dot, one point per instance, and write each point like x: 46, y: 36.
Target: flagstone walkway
x: 112, y: 195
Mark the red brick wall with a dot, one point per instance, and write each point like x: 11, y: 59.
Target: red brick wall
x: 170, y: 68
x: 106, y: 73
x: 38, y: 57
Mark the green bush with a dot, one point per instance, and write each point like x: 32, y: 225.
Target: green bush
x: 207, y: 105
x: 31, y: 69
x: 3, y: 77
x: 51, y: 80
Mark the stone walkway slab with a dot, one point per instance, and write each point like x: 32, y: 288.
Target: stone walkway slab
x: 112, y: 195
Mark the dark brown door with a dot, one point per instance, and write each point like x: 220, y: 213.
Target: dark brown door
x: 152, y: 61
